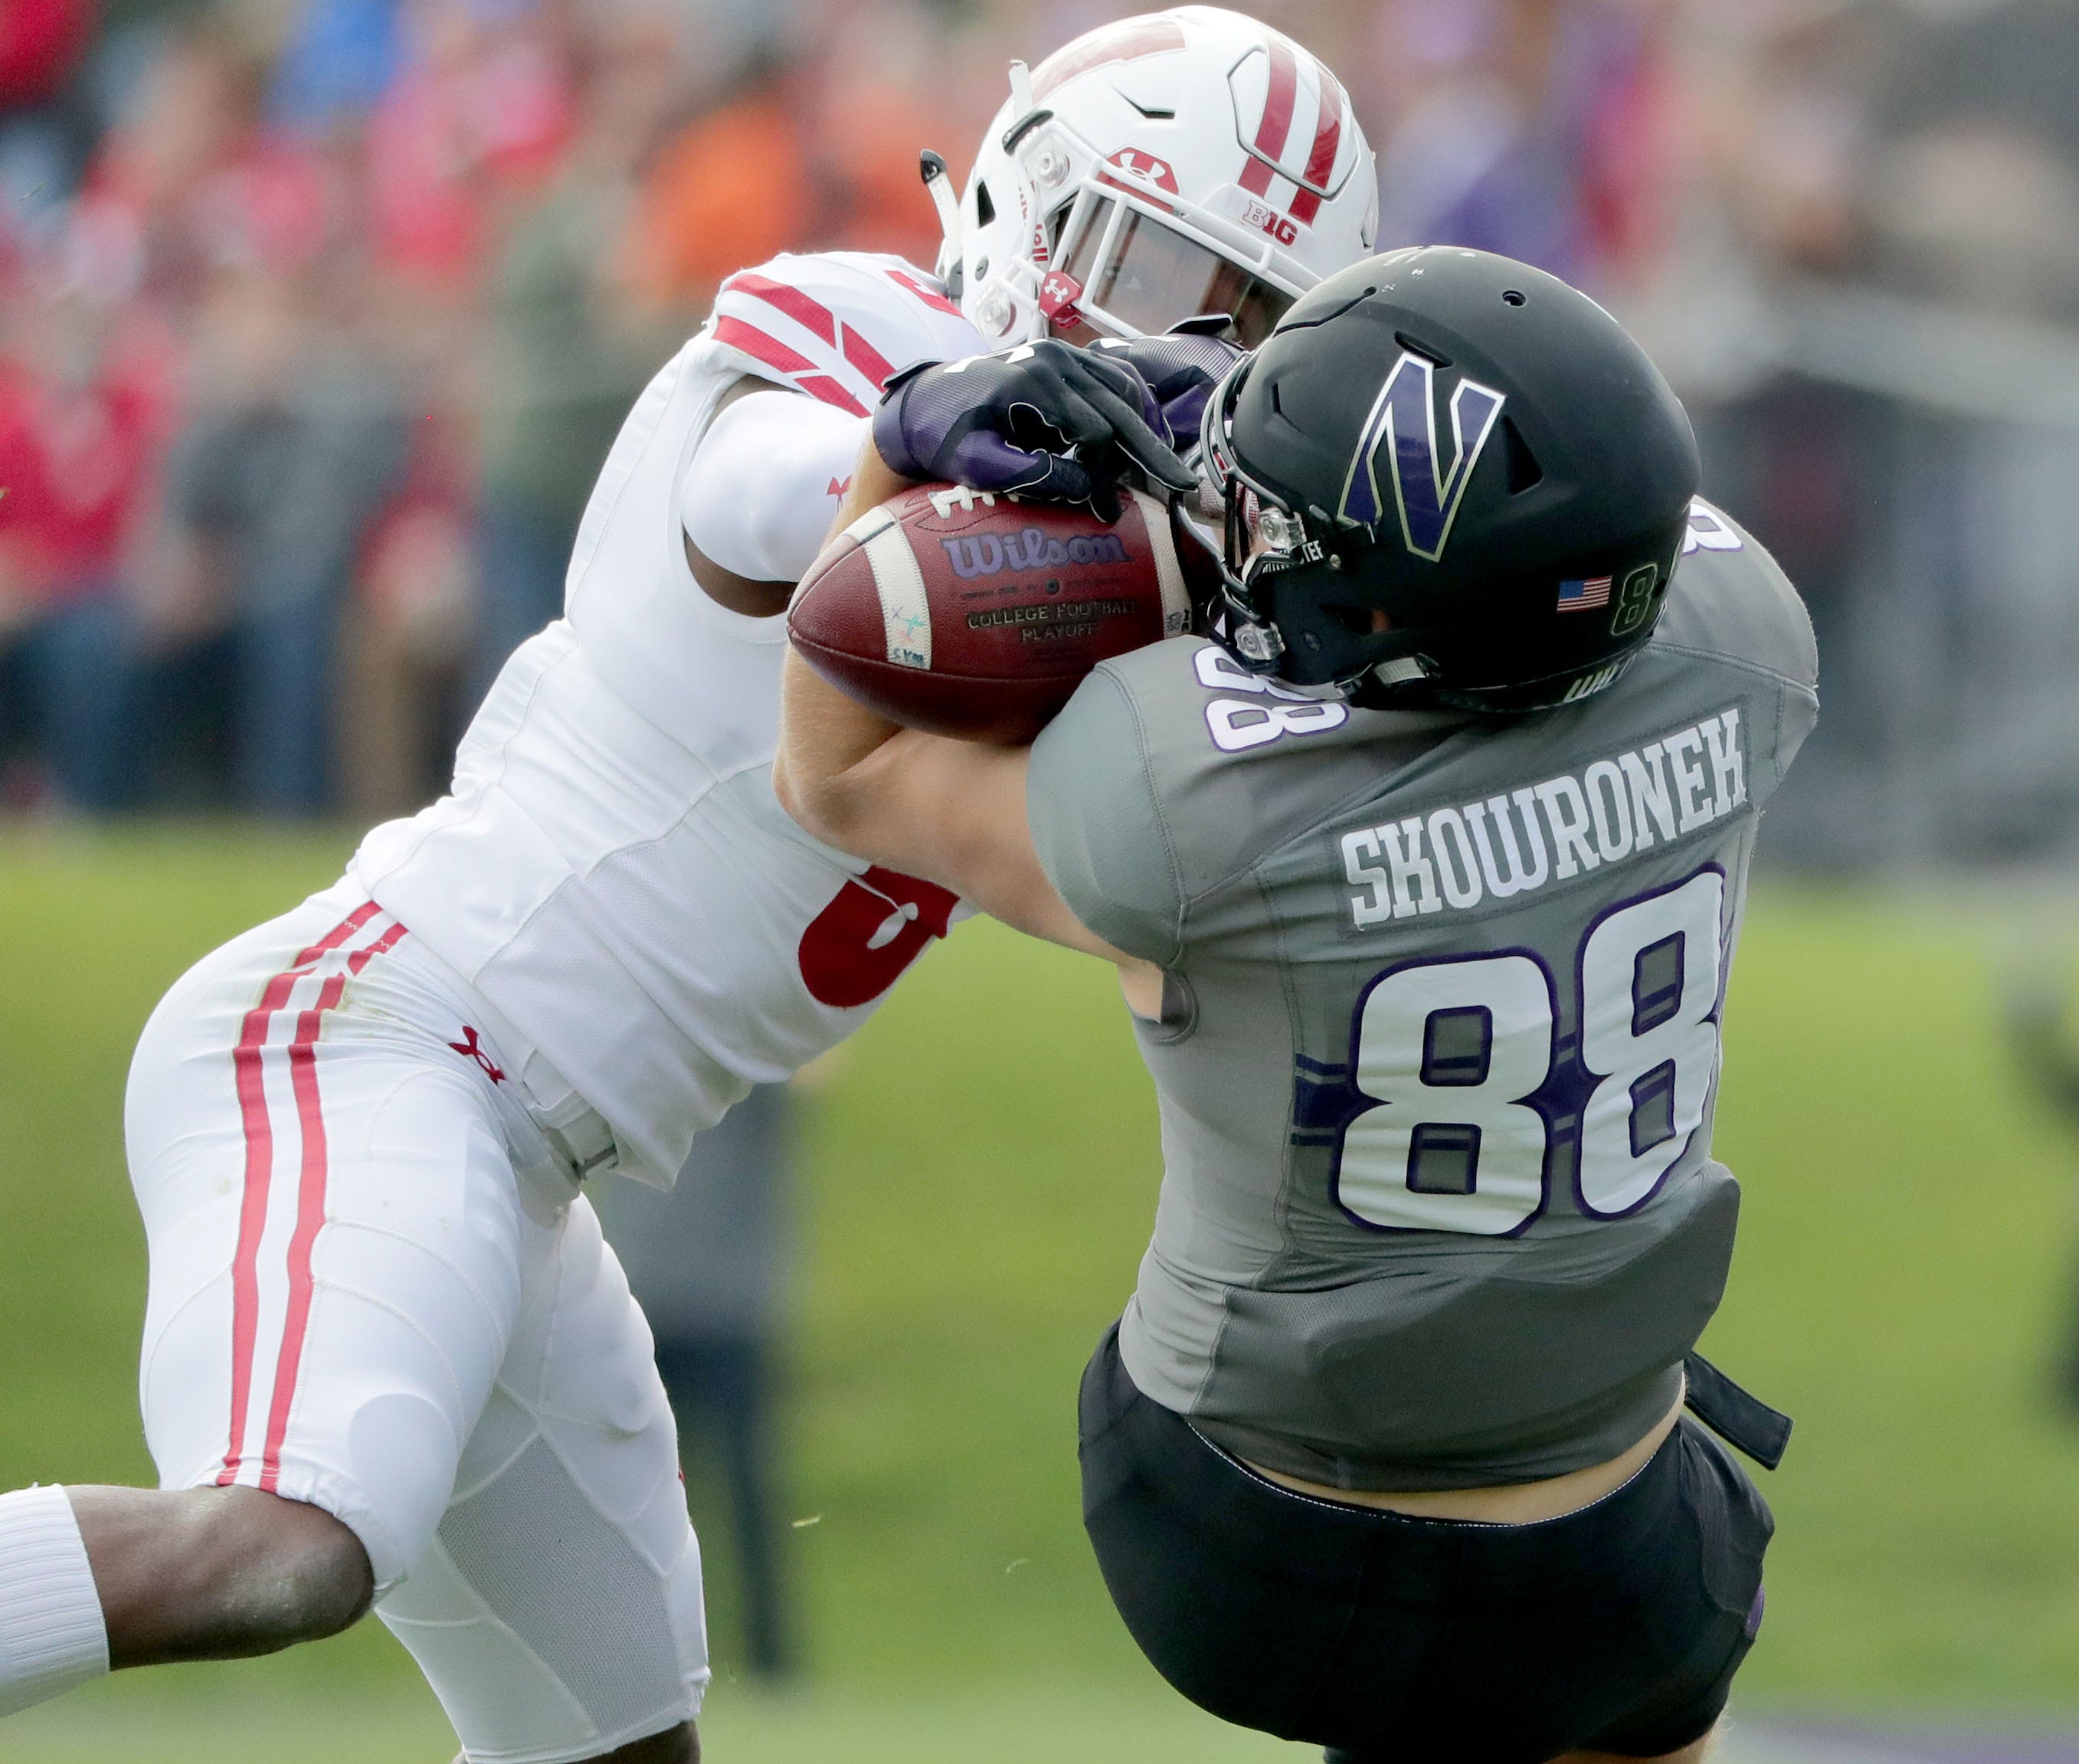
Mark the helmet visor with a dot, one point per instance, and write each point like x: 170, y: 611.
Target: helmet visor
x: 1145, y: 277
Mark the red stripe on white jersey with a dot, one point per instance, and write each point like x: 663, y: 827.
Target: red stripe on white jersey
x: 310, y: 1200
x: 929, y: 297
x: 248, y: 1063
x: 864, y: 357
x: 802, y: 307
x: 822, y: 386
x: 760, y: 347
x: 1276, y: 128
x: 250, y: 1080
x: 774, y: 353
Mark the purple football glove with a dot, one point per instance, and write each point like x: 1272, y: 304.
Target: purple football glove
x: 1180, y: 369
x: 1049, y: 422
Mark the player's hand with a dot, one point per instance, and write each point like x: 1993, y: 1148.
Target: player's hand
x: 1042, y: 419
x: 1180, y: 369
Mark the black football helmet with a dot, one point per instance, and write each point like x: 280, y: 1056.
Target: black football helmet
x: 1450, y: 479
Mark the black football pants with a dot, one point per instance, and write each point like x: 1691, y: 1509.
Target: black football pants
x: 1393, y: 1640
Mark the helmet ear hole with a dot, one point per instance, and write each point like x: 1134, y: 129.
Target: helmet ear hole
x: 1428, y: 351
x: 984, y: 209
x: 1525, y: 473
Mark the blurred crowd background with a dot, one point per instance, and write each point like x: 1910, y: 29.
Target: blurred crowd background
x: 316, y: 317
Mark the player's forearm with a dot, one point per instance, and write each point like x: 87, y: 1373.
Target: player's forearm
x: 953, y: 812
x: 824, y: 736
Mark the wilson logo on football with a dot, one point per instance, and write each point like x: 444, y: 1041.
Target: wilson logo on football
x: 981, y: 554
x: 858, y: 946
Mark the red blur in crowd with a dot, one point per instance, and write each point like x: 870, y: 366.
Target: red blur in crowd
x: 75, y: 466
x: 193, y: 185
x: 41, y: 42
x: 468, y: 120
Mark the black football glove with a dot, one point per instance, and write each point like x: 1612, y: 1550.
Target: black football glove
x: 1045, y: 420
x: 1180, y: 369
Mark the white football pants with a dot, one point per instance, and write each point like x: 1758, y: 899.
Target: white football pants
x: 375, y: 1287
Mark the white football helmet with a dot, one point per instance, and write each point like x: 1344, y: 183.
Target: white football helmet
x: 1175, y: 164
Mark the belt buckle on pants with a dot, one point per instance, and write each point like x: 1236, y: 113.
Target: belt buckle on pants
x: 585, y: 1142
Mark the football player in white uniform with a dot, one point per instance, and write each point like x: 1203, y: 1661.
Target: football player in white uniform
x: 387, y: 1357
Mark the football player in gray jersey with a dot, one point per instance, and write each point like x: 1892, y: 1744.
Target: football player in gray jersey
x: 1422, y: 869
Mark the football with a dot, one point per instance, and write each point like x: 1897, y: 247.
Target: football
x: 967, y: 614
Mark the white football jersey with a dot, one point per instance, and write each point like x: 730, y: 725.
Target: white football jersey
x: 611, y: 872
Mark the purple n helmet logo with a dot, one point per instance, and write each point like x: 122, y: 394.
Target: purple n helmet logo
x: 1400, y: 433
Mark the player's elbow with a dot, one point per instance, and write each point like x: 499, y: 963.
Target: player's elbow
x: 824, y: 805
x: 797, y: 795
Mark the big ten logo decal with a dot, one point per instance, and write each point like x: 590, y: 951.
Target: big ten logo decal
x: 1266, y: 219
x: 858, y: 946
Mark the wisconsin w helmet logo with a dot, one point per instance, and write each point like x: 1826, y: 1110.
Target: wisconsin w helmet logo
x: 1399, y: 447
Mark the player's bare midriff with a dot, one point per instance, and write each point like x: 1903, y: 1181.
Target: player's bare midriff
x: 1517, y: 1503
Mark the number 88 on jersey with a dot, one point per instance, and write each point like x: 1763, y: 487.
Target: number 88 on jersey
x: 1467, y: 1092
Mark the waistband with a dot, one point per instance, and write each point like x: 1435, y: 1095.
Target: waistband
x: 577, y: 1133
x: 1127, y: 1436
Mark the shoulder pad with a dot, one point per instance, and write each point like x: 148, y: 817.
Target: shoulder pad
x: 838, y: 324
x: 1730, y: 597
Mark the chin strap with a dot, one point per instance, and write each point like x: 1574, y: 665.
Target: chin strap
x: 952, y: 259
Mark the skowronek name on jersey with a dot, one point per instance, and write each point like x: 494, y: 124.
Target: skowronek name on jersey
x: 1524, y: 840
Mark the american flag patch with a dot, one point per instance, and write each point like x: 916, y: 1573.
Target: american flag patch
x: 1578, y: 596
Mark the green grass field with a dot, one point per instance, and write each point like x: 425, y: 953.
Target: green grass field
x: 981, y: 1176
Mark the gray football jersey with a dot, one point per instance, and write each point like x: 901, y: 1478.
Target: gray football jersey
x: 1440, y: 1039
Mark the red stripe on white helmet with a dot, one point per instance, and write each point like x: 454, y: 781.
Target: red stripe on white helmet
x: 1275, y: 130
x: 1328, y: 140
x: 1126, y: 41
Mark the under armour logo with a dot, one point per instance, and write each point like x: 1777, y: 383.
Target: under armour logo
x: 470, y: 1047
x: 1058, y: 295
x: 1156, y: 171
